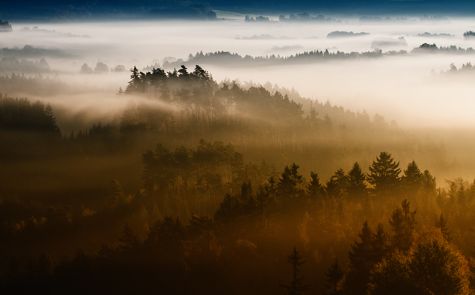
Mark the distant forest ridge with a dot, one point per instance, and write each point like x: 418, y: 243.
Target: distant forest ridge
x: 230, y: 58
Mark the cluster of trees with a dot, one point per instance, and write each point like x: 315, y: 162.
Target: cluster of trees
x: 101, y: 68
x: 433, y: 48
x: 235, y: 59
x: 14, y: 65
x: 199, y: 93
x: 469, y: 34
x: 465, y: 68
x: 20, y: 115
x: 242, y: 246
x: 34, y: 84
x: 228, y: 58
x: 149, y: 204
x: 345, y: 34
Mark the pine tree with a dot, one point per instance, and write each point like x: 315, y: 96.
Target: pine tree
x: 290, y: 182
x: 296, y: 286
x: 356, y: 181
x: 380, y: 243
x: 315, y: 189
x: 384, y: 174
x: 337, y: 185
x: 135, y: 81
x: 362, y: 260
x: 334, y: 276
x: 412, y: 178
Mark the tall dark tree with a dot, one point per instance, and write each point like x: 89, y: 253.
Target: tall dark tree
x: 384, y: 174
x: 315, y: 189
x: 362, y: 260
x: 334, y: 277
x: 356, y: 181
x: 412, y: 177
x: 135, y: 81
x: 337, y: 185
x: 296, y: 286
x: 290, y: 182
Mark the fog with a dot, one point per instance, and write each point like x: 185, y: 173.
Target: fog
x: 141, y: 156
x: 408, y: 89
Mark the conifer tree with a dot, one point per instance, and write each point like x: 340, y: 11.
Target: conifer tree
x: 412, y: 177
x: 315, y: 189
x: 296, y: 286
x: 384, y: 174
x: 362, y: 260
x: 356, y: 181
x: 334, y: 276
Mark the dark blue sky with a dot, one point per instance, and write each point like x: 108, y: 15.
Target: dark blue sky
x: 64, y: 9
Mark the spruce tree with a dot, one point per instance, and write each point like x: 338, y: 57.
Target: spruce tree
x: 362, y: 260
x: 356, y: 181
x: 315, y: 189
x: 384, y: 174
x: 334, y: 276
x: 296, y: 286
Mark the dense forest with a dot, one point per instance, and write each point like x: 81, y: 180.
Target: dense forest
x: 225, y: 58
x: 221, y: 187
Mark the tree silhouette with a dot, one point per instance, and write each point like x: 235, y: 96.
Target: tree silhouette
x: 384, y: 174
x: 334, y: 277
x: 356, y: 181
x: 362, y: 260
x: 296, y: 286
x: 337, y: 185
x: 315, y: 189
x: 290, y: 182
x: 403, y: 222
x: 364, y: 255
x: 412, y: 176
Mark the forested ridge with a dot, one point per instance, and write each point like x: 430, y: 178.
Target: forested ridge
x: 219, y: 188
